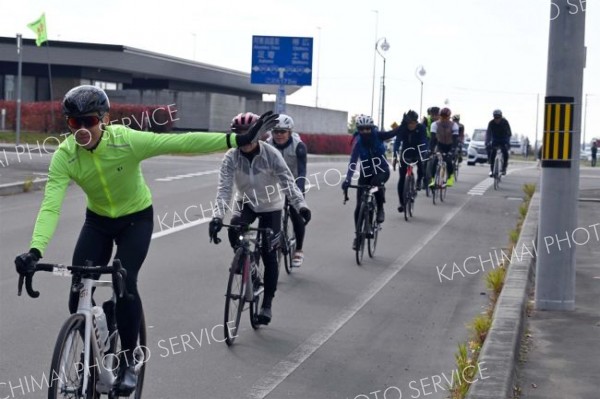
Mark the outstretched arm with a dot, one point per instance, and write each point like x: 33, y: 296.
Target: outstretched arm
x: 54, y: 193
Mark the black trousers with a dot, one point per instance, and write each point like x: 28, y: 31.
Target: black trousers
x: 270, y: 220
x: 132, y: 234
x: 447, y: 149
x: 373, y: 179
x: 299, y: 228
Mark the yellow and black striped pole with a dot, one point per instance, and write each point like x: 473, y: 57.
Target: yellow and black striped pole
x: 558, y: 132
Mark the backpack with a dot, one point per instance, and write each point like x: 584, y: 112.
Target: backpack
x: 444, y: 132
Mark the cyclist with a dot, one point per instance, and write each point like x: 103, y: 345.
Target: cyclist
x: 294, y: 153
x: 374, y: 169
x: 260, y: 175
x: 444, y: 138
x: 461, y: 136
x: 104, y: 160
x: 412, y: 136
x: 433, y: 114
x: 498, y: 135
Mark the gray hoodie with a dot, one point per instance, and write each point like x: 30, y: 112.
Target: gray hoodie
x: 262, y: 185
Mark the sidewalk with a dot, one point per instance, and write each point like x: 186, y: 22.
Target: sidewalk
x: 533, y: 354
x: 562, y: 349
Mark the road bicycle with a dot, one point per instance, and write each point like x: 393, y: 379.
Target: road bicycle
x: 440, y: 178
x: 87, y: 353
x: 410, y: 192
x: 287, y: 246
x: 367, y: 227
x: 498, y: 164
x: 245, y: 287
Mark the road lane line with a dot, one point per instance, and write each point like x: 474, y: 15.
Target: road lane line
x: 287, y: 366
x: 184, y: 226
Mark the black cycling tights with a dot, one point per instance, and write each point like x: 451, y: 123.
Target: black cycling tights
x: 132, y: 234
x: 270, y: 220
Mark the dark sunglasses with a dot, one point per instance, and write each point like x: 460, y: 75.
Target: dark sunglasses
x: 364, y: 129
x: 280, y: 131
x: 77, y: 122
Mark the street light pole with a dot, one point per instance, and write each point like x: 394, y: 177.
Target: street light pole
x: 385, y: 46
x: 419, y: 73
x: 374, y: 60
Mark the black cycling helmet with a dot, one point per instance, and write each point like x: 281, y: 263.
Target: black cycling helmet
x: 446, y: 112
x: 434, y: 111
x: 410, y: 116
x: 85, y: 99
x: 497, y: 112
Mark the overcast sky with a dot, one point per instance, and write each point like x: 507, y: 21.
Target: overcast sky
x: 478, y: 54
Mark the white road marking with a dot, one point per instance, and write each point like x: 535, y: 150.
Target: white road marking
x: 287, y: 366
x: 179, y: 177
x: 184, y: 226
x: 481, y: 187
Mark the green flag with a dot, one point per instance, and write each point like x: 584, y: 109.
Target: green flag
x: 39, y: 27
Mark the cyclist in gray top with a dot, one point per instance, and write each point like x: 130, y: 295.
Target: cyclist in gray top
x: 263, y: 181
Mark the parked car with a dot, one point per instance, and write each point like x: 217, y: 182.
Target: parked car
x: 516, y: 147
x: 476, y: 152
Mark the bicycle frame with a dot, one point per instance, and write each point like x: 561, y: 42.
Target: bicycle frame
x: 84, y: 307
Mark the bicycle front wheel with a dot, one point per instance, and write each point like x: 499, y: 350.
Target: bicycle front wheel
x: 67, y: 369
x: 361, y: 233
x: 234, y: 297
x: 373, y: 232
x: 412, y: 194
x: 290, y: 239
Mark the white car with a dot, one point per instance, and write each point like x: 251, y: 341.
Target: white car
x: 476, y: 152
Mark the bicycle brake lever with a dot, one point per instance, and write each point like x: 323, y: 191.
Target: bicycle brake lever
x: 20, y: 286
x: 29, y: 286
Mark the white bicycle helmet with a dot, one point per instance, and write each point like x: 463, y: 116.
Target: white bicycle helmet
x: 364, y: 120
x: 284, y: 122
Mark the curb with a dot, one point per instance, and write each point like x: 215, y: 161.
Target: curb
x: 501, y: 348
x: 19, y: 187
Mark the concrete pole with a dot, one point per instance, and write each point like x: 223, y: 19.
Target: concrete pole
x: 555, y: 276
x: 19, y: 75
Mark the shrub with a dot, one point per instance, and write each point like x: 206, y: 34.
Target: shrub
x: 37, y: 116
x: 327, y: 143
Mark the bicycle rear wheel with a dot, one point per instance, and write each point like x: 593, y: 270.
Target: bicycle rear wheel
x: 140, y: 355
x: 361, y: 233
x: 66, y: 369
x: 234, y: 297
x: 373, y: 232
x: 409, y: 187
x: 257, y: 278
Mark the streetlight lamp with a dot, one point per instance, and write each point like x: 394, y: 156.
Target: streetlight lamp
x: 382, y: 44
x: 419, y: 73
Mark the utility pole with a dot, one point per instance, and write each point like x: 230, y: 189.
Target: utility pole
x: 555, y: 276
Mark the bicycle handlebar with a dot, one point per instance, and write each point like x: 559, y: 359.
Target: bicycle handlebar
x: 117, y: 271
x: 357, y: 186
x: 242, y: 228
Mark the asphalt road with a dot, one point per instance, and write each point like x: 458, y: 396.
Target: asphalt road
x: 339, y: 330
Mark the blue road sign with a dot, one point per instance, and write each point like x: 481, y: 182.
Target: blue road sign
x: 282, y: 60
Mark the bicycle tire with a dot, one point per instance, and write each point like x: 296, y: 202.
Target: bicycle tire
x: 361, y: 229
x: 427, y: 178
x: 234, y: 297
x: 406, y: 196
x: 497, y: 172
x: 373, y: 232
x: 456, y: 168
x: 413, y: 193
x: 72, y: 330
x: 258, y: 295
x: 289, y: 250
x: 115, y: 347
